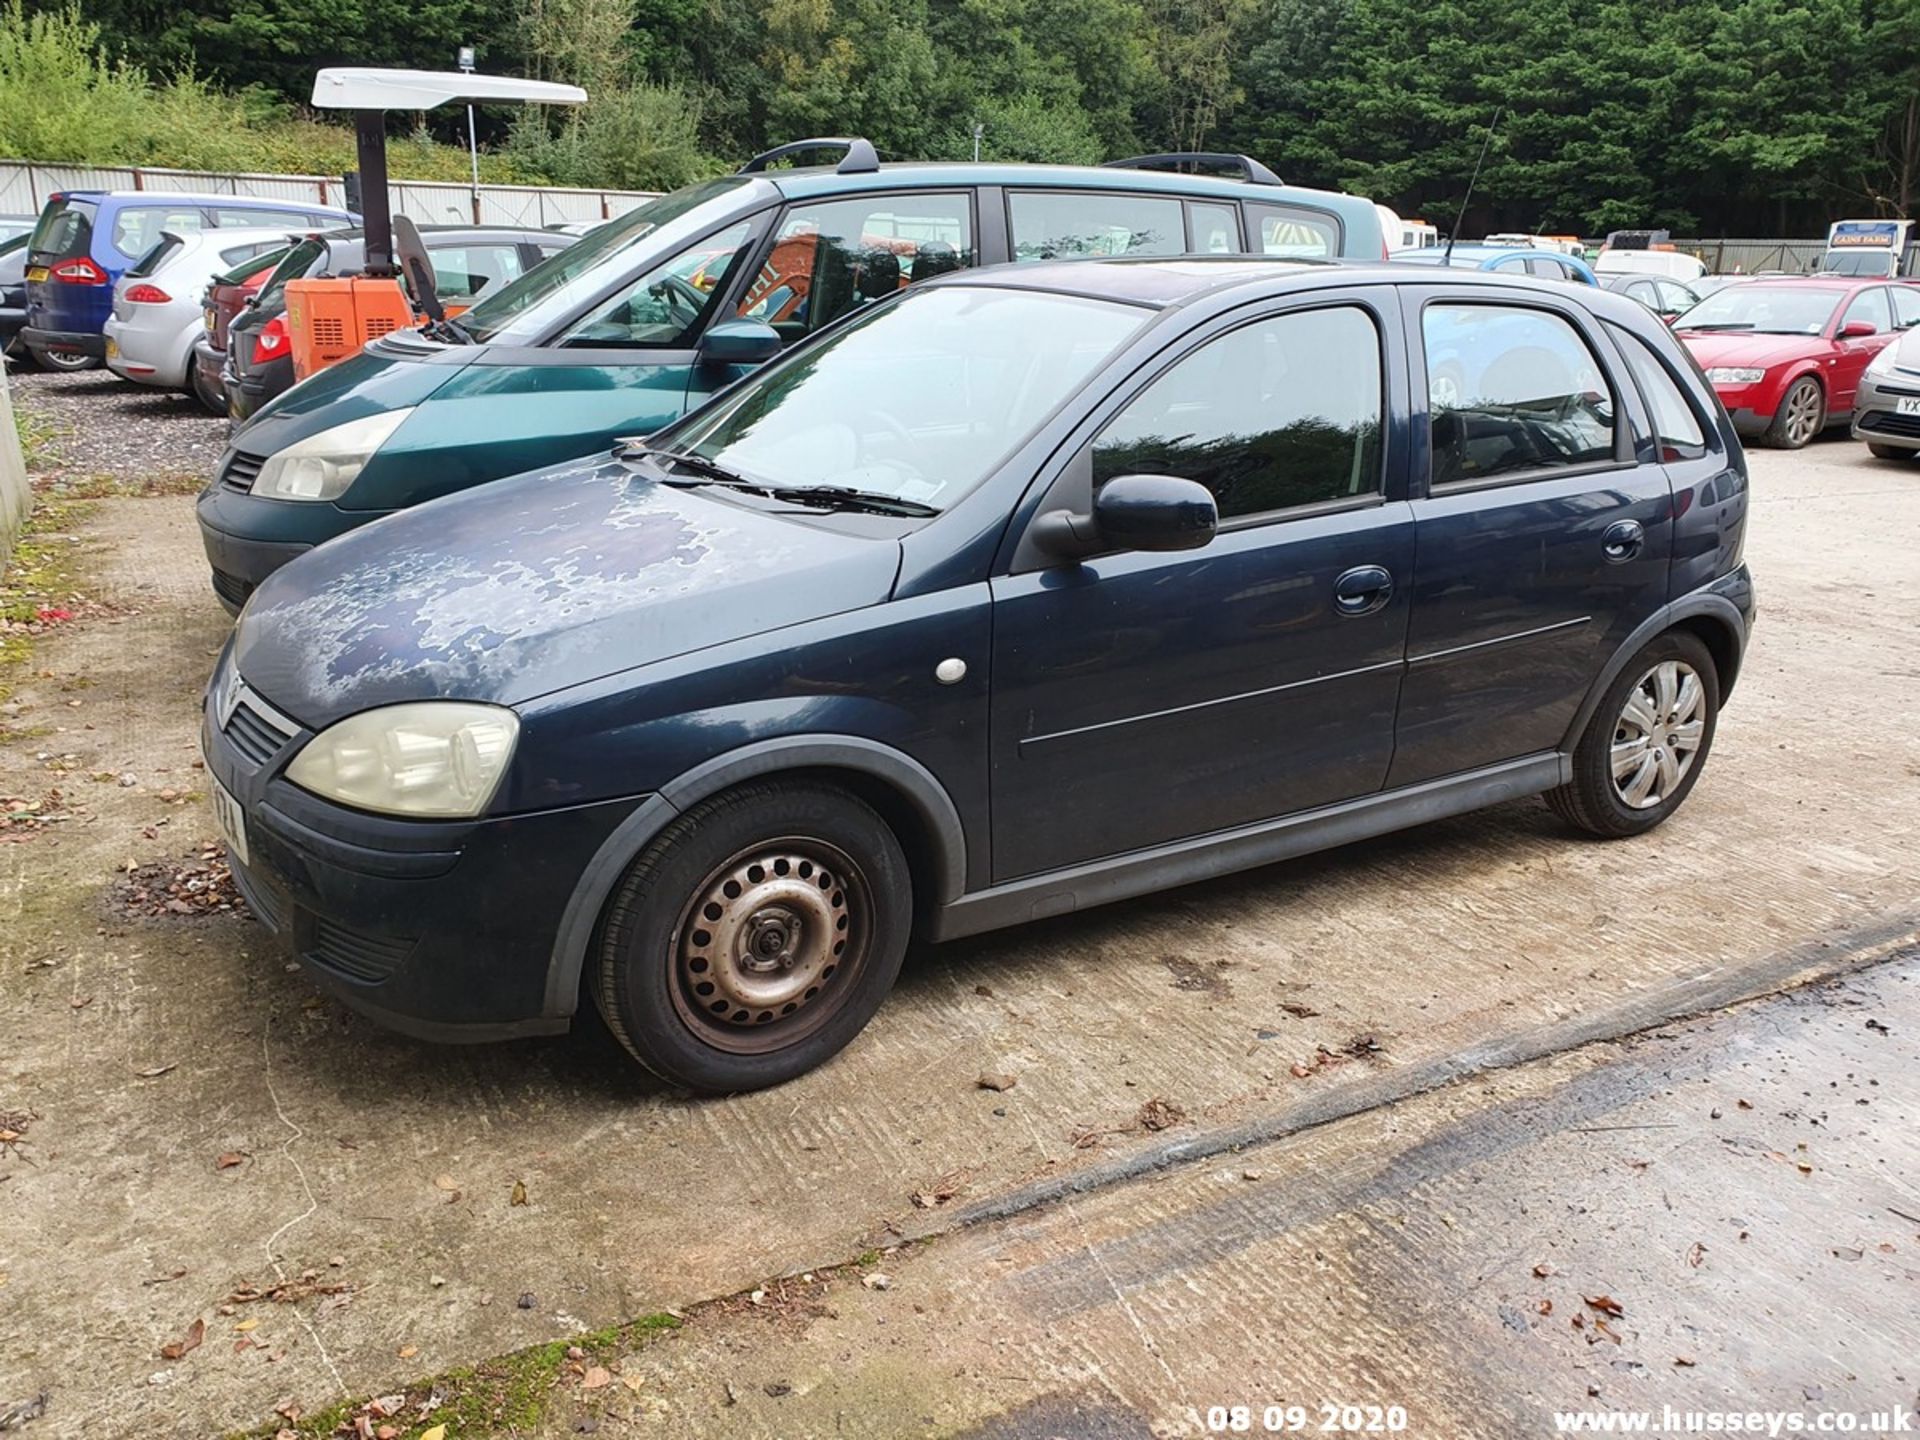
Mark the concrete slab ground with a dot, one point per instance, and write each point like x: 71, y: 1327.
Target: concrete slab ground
x: 143, y: 1051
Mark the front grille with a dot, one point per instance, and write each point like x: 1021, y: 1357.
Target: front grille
x: 1887, y: 423
x: 241, y: 470
x: 355, y: 953
x: 255, y: 734
x: 231, y: 588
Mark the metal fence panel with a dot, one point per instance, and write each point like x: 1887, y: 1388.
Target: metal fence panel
x: 1750, y: 256
x: 25, y: 185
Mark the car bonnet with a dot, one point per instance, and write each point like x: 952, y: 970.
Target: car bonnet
x: 537, y: 583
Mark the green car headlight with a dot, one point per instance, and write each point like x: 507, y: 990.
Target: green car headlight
x: 440, y: 759
x: 322, y: 466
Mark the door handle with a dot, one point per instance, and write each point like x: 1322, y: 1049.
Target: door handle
x: 1362, y: 590
x: 1623, y: 540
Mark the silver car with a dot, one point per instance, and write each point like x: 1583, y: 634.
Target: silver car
x: 1886, y: 407
x: 157, y: 304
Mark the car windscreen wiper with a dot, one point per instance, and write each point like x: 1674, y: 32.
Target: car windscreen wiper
x: 711, y: 472
x: 1719, y: 325
x: 845, y: 497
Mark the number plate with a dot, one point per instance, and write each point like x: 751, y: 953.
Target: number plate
x: 231, y: 822
x: 113, y: 348
x: 209, y: 318
x: 1907, y: 405
x: 37, y: 272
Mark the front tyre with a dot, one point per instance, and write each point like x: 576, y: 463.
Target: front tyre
x: 1648, y: 739
x: 1801, y: 416
x: 755, y: 936
x: 1889, y: 452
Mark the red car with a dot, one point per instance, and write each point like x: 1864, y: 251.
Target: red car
x: 226, y: 297
x: 1785, y: 354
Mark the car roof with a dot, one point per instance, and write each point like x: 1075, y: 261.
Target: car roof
x: 1164, y: 282
x: 1821, y: 281
x: 815, y: 181
x: 1482, y: 252
x: 196, y: 197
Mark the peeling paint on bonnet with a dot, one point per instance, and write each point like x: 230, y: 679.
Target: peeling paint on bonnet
x: 537, y: 583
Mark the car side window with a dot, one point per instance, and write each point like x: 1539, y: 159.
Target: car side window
x: 1676, y: 425
x: 1545, y: 268
x: 664, y: 308
x: 137, y: 228
x: 1511, y: 390
x: 1870, y: 306
x: 1906, y: 306
x: 1295, y: 234
x: 461, y: 272
x: 1213, y: 229
x: 1280, y: 413
x: 237, y: 217
x: 1053, y: 226
x: 831, y: 258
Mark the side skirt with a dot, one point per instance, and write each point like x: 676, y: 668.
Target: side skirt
x: 1182, y: 862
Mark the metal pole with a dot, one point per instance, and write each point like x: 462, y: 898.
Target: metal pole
x: 978, y: 131
x: 376, y: 212
x: 473, y: 149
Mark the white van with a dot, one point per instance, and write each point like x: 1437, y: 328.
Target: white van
x: 1669, y: 264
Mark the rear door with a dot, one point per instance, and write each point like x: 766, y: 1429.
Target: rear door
x: 66, y: 288
x: 1543, y: 541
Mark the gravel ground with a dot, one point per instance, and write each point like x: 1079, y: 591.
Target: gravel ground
x: 108, y: 431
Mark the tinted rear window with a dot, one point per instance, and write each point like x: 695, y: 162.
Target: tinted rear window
x: 300, y: 259
x: 157, y: 256
x: 252, y: 266
x: 65, y: 230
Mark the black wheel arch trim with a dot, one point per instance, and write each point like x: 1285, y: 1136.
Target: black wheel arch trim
x: 906, y: 776
x: 1708, y: 602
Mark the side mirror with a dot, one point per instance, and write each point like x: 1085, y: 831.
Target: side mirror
x: 1857, y: 329
x: 739, y: 342
x: 1134, y: 512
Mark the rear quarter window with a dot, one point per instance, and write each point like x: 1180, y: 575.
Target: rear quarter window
x: 1293, y: 233
x: 65, y: 230
x: 137, y: 227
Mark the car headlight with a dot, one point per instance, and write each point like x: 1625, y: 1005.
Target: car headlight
x: 437, y: 758
x: 322, y: 466
x: 1735, y: 375
x: 1882, y: 363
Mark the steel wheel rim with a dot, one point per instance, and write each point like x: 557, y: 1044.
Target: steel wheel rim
x: 771, y: 943
x: 1658, y: 734
x: 1803, y: 401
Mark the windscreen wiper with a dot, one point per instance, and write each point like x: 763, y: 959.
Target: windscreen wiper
x: 711, y: 472
x: 1719, y: 325
x: 845, y: 497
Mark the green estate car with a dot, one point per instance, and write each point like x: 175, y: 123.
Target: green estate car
x: 652, y: 313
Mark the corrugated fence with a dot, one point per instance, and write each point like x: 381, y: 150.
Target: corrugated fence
x: 1748, y: 257
x: 25, y: 185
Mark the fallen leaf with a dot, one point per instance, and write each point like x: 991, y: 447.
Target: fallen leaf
x: 1542, y: 1270
x: 996, y: 1082
x: 1696, y: 1253
x: 187, y: 1344
x: 446, y: 1182
x: 519, y: 1193
x: 153, y: 1072
x: 1686, y: 1360
x: 407, y: 1352
x: 230, y: 1159
x: 438, y: 1432
x: 1605, y: 1304
x: 1297, y: 1010
x: 245, y: 1325
x: 596, y: 1377
x: 1158, y: 1114
x: 1546, y: 1307
x: 80, y: 1002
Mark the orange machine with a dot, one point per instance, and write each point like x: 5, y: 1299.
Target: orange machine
x: 331, y: 319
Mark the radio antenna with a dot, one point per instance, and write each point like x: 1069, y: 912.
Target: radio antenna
x: 1461, y: 213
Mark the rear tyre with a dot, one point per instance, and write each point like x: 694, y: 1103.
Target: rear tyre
x: 754, y: 937
x: 1889, y: 452
x: 1647, y: 742
x: 64, y: 361
x: 1801, y: 416
x: 212, y: 399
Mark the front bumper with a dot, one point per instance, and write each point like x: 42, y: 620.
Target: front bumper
x: 75, y: 342
x: 439, y: 929
x: 1876, y: 408
x: 1748, y: 422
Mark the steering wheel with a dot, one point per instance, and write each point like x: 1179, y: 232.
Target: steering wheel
x: 899, y: 464
x: 685, y: 301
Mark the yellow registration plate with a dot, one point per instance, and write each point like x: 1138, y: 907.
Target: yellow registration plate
x: 113, y: 348
x: 36, y: 272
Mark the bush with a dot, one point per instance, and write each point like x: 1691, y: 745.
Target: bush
x: 646, y: 137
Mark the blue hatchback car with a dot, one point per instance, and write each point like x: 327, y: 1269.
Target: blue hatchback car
x: 1504, y: 260
x: 86, y: 240
x: 1020, y: 591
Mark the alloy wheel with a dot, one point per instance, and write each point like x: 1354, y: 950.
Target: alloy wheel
x: 1658, y: 734
x: 1803, y: 412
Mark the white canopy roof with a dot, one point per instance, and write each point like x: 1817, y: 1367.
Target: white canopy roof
x: 359, y: 87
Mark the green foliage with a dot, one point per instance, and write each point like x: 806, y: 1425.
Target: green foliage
x: 1768, y: 116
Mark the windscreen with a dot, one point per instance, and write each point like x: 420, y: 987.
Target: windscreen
x: 1765, y: 310
x: 1857, y: 262
x: 552, y: 290
x: 65, y: 231
x: 917, y: 401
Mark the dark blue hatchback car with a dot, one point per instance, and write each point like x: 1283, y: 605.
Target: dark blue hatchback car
x: 1020, y: 592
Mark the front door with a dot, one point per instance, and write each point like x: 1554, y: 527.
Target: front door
x: 1543, y: 544
x: 1851, y: 353
x: 1142, y: 698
